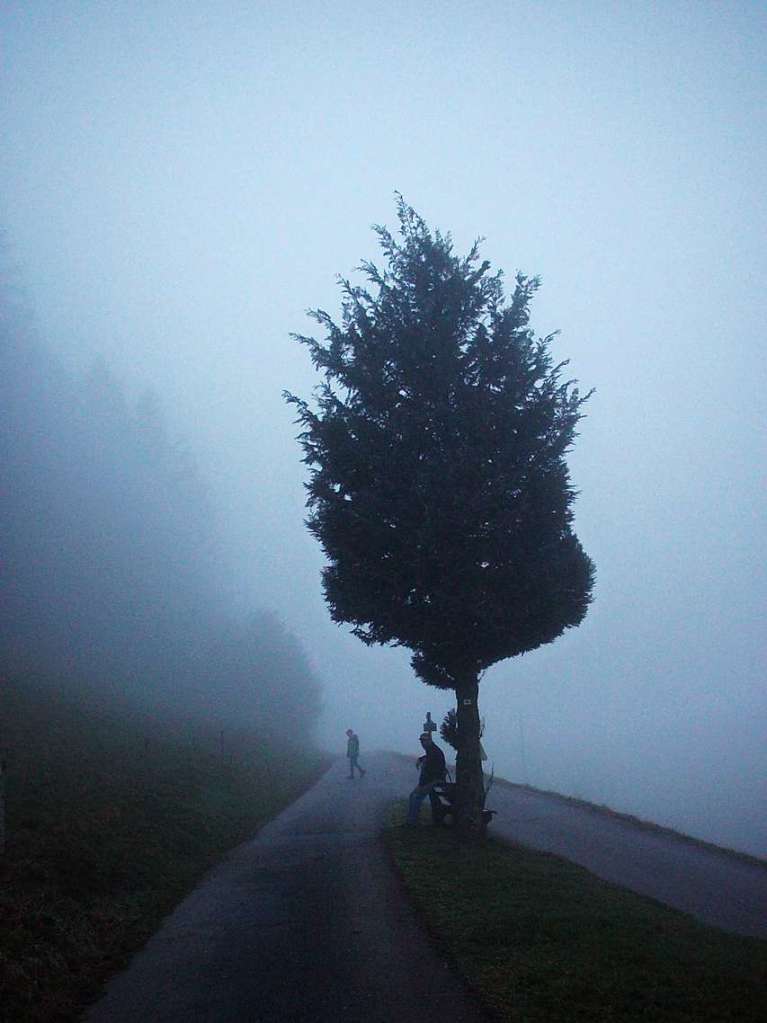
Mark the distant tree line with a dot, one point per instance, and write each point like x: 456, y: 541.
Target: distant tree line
x: 113, y: 573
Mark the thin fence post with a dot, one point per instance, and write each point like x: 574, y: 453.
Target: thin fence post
x: 2, y: 806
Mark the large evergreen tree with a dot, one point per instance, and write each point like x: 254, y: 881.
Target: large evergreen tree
x: 439, y: 488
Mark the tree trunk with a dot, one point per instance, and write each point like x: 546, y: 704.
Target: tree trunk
x: 470, y: 787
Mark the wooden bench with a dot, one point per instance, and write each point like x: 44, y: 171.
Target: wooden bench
x: 444, y: 806
x: 445, y: 792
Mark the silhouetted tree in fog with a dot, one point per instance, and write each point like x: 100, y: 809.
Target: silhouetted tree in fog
x: 439, y: 489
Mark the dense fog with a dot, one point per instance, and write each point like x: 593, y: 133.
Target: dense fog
x: 181, y: 184
x: 114, y: 575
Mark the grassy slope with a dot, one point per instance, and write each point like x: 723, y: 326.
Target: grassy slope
x: 111, y: 819
x: 541, y: 939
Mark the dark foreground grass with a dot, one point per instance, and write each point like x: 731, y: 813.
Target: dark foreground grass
x: 111, y: 819
x: 541, y: 939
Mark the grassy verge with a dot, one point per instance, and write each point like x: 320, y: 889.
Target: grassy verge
x: 541, y: 939
x: 111, y: 819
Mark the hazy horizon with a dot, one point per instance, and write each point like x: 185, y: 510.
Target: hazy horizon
x: 181, y: 185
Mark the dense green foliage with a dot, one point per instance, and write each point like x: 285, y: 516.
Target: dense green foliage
x: 439, y: 489
x: 544, y: 941
x: 112, y: 817
x: 448, y: 729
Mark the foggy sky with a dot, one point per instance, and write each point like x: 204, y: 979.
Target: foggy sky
x: 181, y: 182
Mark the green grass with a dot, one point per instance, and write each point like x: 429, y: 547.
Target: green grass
x: 111, y: 819
x: 541, y: 939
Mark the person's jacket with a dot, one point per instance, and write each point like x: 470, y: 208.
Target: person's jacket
x: 432, y: 765
x: 353, y: 746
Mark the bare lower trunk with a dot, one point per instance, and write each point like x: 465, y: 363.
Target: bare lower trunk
x: 470, y: 788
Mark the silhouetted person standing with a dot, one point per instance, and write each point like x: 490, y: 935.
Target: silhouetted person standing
x: 353, y: 752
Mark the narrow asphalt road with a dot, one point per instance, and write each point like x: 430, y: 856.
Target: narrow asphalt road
x: 711, y: 884
x: 306, y: 921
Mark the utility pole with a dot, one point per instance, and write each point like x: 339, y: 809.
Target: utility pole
x: 525, y: 775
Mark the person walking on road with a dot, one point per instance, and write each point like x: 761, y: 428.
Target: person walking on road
x: 433, y: 768
x: 353, y: 752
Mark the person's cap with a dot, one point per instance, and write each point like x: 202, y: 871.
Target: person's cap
x: 349, y: 731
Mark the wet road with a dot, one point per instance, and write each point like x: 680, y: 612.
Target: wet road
x: 306, y: 922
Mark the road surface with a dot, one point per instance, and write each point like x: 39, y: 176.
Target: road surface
x: 713, y: 885
x: 306, y: 922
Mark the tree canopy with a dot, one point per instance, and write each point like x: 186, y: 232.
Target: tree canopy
x: 438, y: 486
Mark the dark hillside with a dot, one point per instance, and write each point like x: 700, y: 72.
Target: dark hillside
x: 111, y: 817
x: 146, y: 724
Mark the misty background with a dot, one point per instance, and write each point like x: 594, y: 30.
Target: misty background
x: 181, y: 182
